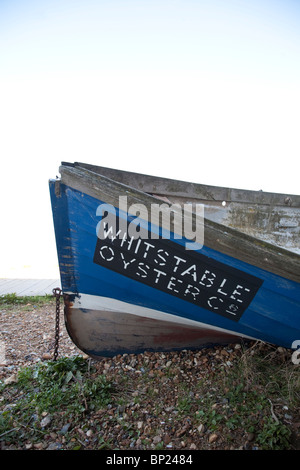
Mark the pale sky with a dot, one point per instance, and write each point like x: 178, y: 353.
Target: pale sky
x: 206, y: 91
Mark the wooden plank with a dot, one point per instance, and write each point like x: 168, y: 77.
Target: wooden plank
x: 272, y: 217
x: 218, y: 237
x: 201, y: 192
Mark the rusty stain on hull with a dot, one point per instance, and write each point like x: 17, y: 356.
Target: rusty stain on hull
x: 102, y: 333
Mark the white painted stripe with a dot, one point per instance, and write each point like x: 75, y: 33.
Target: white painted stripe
x: 107, y: 304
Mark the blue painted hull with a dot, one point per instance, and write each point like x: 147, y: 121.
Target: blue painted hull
x: 116, y: 303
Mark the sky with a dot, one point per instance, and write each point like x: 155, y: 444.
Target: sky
x: 200, y: 90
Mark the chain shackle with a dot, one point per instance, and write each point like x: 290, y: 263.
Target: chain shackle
x: 57, y: 294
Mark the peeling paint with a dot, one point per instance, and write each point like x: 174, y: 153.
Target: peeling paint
x: 100, y: 333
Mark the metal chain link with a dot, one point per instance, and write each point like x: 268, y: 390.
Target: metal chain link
x: 57, y: 293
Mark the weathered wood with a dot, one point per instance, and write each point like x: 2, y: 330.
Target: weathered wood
x: 224, y: 239
x: 168, y: 187
x: 271, y: 217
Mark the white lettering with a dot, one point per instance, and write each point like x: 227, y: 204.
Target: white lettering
x: 158, y: 274
x: 237, y: 292
x: 109, y: 233
x: 210, y: 279
x: 194, y: 292
x: 148, y: 245
x: 161, y: 257
x: 143, y: 268
x: 122, y: 460
x: 232, y: 309
x: 126, y: 263
x: 171, y: 284
x: 179, y: 260
x: 129, y: 242
x: 107, y: 253
x: 193, y: 274
x: 137, y: 246
x: 213, y: 304
x: 222, y: 285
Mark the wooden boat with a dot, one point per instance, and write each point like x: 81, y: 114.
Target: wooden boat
x: 129, y: 288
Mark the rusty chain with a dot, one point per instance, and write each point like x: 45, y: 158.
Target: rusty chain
x: 57, y: 294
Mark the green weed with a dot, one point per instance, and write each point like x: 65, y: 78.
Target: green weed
x: 275, y: 436
x: 64, y: 389
x: 13, y: 299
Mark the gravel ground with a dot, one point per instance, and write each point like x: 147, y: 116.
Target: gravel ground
x: 27, y: 336
x: 157, y: 409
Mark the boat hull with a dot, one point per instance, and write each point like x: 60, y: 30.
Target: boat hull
x: 105, y: 327
x: 125, y: 299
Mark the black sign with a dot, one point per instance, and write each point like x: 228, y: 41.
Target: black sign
x: 169, y: 267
